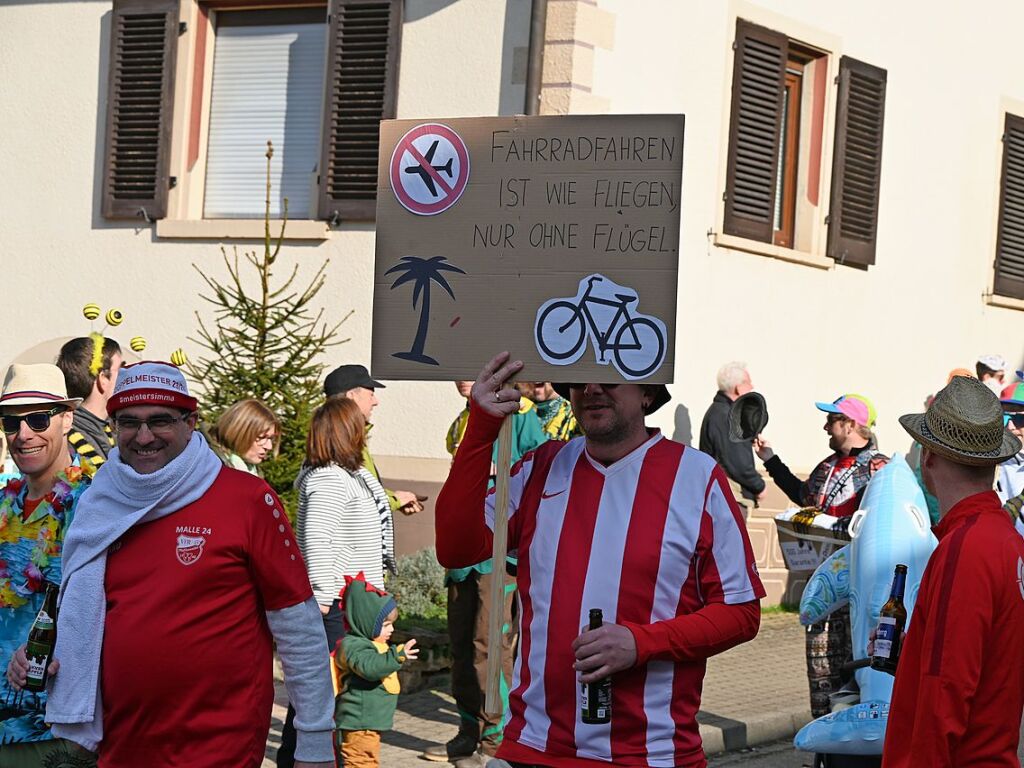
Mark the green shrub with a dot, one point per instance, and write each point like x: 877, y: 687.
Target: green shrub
x: 419, y: 588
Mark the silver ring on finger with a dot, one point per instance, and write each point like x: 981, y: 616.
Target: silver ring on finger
x: 497, y: 397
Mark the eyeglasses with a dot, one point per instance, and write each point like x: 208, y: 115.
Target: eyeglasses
x: 38, y: 421
x: 162, y: 424
x: 266, y: 439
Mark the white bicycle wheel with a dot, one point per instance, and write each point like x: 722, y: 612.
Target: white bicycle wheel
x: 560, y: 332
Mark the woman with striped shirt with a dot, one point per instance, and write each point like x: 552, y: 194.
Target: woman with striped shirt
x: 343, y: 525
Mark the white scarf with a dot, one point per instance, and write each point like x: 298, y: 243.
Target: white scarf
x: 118, y: 499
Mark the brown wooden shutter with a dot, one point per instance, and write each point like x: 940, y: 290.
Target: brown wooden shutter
x: 140, y: 96
x: 361, y: 90
x: 754, y: 133
x: 856, y: 163
x: 1010, y: 240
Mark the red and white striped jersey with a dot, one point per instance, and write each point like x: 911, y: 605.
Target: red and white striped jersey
x: 654, y: 536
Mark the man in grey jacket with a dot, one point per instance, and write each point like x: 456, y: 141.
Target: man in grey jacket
x: 180, y: 574
x: 737, y: 459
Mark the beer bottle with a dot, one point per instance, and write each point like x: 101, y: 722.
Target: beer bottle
x: 891, y: 621
x: 596, y: 698
x: 41, y: 639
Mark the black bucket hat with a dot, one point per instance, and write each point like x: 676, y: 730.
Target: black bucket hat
x: 748, y: 417
x: 661, y: 397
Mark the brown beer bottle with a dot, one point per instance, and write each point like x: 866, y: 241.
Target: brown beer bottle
x: 596, y: 698
x: 41, y: 640
x: 891, y: 621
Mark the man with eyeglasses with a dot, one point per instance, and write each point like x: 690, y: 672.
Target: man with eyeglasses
x: 624, y: 520
x: 834, y: 487
x: 36, y: 511
x: 180, y: 576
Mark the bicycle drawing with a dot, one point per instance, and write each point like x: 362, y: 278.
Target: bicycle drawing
x: 600, y: 311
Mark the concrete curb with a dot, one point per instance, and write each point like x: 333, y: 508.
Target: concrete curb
x: 722, y: 734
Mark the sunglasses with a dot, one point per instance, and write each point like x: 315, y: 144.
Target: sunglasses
x: 1016, y: 418
x: 38, y: 421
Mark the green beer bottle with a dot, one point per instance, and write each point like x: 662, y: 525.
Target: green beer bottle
x: 596, y: 698
x: 41, y: 640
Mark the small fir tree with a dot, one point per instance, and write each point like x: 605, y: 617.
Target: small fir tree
x: 265, y: 342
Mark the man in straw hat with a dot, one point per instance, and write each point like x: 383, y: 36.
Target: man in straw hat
x: 180, y: 574
x: 624, y: 520
x: 35, y: 512
x: 959, y: 690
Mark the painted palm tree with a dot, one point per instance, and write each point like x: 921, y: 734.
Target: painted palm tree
x: 423, y: 272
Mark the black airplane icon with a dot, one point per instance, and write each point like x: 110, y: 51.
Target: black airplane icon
x: 425, y: 175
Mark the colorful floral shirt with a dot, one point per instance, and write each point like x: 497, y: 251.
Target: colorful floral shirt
x: 557, y: 419
x: 30, y: 555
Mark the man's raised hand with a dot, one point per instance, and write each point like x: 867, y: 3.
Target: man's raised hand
x: 490, y: 393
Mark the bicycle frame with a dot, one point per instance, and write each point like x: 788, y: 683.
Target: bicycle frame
x: 603, y: 345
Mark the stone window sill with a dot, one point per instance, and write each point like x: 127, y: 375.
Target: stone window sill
x: 773, y: 251
x: 1003, y: 301
x: 240, y: 229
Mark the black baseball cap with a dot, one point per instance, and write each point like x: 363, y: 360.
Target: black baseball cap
x: 346, y: 377
x: 661, y: 397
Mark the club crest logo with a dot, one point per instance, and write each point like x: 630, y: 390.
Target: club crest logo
x: 1020, y: 576
x: 189, y: 549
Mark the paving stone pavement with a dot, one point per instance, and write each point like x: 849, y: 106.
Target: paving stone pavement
x: 753, y: 694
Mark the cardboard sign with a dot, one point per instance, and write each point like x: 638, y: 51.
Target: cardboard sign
x: 556, y: 238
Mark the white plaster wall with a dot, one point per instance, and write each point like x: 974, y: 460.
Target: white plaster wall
x: 895, y: 331
x: 892, y: 333
x: 56, y: 253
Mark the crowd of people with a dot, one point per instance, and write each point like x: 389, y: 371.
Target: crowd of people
x: 180, y: 574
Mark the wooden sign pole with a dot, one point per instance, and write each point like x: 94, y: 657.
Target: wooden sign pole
x: 503, y: 469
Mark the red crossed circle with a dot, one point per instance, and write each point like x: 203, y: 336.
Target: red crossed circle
x: 450, y: 192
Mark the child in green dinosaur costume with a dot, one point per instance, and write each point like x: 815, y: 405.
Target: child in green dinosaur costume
x: 368, y: 668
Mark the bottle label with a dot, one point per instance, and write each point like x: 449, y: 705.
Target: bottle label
x: 36, y: 668
x: 43, y: 620
x: 886, y: 636
x: 601, y: 701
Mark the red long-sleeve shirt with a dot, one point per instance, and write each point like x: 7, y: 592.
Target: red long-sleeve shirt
x: 959, y: 689
x: 655, y: 540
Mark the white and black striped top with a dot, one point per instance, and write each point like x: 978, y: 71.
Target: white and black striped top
x: 339, y: 528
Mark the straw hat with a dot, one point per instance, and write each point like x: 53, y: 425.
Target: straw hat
x: 35, y: 384
x: 964, y: 423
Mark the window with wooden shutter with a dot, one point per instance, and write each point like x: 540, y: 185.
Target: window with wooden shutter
x: 1009, y: 278
x: 361, y: 90
x: 856, y: 163
x: 139, y: 104
x: 754, y: 133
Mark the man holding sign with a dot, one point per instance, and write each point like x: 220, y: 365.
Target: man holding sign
x: 623, y: 520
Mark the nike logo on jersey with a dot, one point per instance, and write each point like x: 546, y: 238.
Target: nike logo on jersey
x: 546, y: 495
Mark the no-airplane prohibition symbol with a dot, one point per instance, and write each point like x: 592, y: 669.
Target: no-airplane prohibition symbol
x: 429, y: 169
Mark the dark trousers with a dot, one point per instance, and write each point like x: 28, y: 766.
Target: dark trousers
x: 829, y: 647
x: 469, y: 614
x: 334, y: 626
